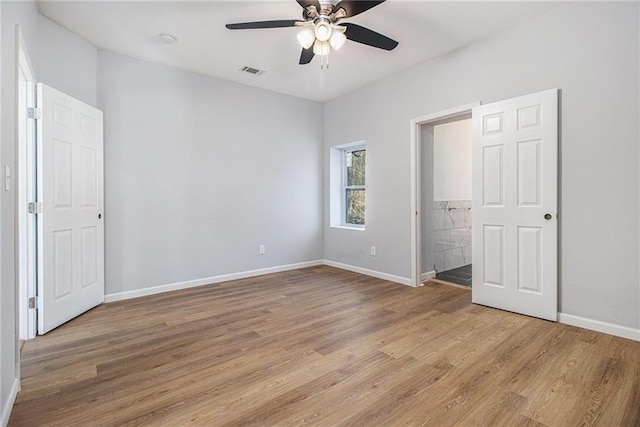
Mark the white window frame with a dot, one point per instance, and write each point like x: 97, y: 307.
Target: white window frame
x: 338, y: 187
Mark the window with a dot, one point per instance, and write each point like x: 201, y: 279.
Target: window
x: 347, y: 183
x: 354, y: 185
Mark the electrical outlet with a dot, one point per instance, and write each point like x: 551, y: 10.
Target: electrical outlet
x: 373, y: 251
x: 262, y: 249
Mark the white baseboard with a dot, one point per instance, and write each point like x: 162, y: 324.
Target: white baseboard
x: 11, y: 399
x: 119, y: 296
x: 426, y: 276
x: 373, y: 273
x: 598, y: 326
x: 206, y: 281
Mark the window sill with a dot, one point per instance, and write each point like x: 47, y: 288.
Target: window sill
x: 348, y: 227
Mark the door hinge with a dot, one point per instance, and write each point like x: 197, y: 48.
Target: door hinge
x: 34, y: 113
x: 34, y: 208
x: 33, y: 302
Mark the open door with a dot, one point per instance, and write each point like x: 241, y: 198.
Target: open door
x: 70, y: 226
x: 514, y: 191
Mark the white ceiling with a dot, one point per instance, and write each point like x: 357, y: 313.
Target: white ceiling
x: 425, y: 29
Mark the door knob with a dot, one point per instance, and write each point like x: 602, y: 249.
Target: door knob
x: 548, y: 216
x: 100, y: 216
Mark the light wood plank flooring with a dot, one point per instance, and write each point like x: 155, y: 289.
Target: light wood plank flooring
x: 322, y: 346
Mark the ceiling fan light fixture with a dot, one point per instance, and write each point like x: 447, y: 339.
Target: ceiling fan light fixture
x: 321, y: 48
x: 306, y: 37
x: 337, y: 40
x: 323, y: 31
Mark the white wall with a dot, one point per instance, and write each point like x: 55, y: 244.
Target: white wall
x: 452, y: 161
x: 597, y: 71
x: 200, y: 171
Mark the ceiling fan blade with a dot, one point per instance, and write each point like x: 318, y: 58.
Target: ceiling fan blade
x: 307, y: 3
x: 369, y: 37
x: 355, y: 7
x: 264, y: 24
x: 306, y: 56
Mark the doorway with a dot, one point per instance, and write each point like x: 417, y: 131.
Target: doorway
x: 451, y: 201
x: 441, y: 195
x: 59, y: 200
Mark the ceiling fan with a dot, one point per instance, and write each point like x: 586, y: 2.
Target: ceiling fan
x: 321, y: 30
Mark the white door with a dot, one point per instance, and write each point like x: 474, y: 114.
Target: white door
x: 514, y: 192
x: 71, y: 229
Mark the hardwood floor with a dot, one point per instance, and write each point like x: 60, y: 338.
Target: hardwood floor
x: 322, y: 346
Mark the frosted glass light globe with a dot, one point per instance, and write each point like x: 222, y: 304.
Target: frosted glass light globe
x: 321, y: 48
x: 337, y: 40
x: 306, y: 38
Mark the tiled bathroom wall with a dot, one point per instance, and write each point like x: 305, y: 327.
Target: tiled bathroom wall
x: 451, y: 234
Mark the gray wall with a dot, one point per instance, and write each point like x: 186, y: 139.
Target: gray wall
x: 61, y: 60
x: 66, y: 61
x: 590, y: 51
x: 200, y: 171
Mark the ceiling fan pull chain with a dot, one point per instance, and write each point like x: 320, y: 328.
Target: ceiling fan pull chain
x: 324, y: 61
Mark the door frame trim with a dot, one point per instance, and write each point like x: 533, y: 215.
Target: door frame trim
x: 415, y: 175
x: 23, y: 248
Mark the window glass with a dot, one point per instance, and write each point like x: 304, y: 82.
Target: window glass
x: 355, y: 206
x: 356, y: 167
x: 354, y: 188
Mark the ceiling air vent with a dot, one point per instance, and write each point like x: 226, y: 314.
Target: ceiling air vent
x: 251, y: 70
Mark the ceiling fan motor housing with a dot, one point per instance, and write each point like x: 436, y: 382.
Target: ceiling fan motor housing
x: 311, y: 12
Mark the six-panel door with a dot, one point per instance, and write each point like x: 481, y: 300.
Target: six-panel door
x: 514, y: 192
x: 70, y: 176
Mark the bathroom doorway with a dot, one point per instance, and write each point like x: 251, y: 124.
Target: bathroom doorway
x: 451, y: 216
x: 441, y: 242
